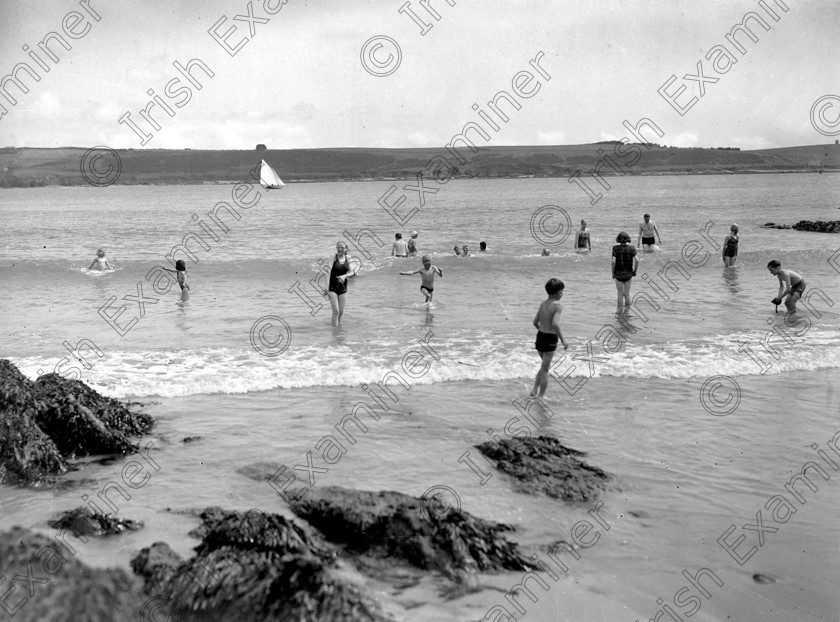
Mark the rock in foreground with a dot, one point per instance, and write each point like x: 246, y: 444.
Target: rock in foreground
x: 47, y: 421
x: 397, y: 526
x: 258, y: 567
x: 543, y: 464
x: 84, y: 522
x: 62, y: 587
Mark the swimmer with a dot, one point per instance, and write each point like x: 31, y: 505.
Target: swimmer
x: 427, y: 274
x: 465, y: 251
x: 547, y: 323
x: 412, y: 244
x: 180, y: 274
x: 482, y: 247
x: 99, y: 262
x: 647, y: 231
x: 583, y: 237
x: 399, y: 248
x: 458, y: 251
x: 791, y: 284
x: 545, y: 252
x: 624, y: 266
x: 730, y: 247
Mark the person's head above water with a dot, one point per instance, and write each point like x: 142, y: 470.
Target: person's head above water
x: 482, y: 246
x: 100, y: 253
x: 623, y: 237
x: 553, y: 286
x: 180, y: 265
x: 545, y: 252
x: 457, y: 251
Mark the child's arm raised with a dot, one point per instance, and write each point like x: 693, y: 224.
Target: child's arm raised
x: 409, y: 273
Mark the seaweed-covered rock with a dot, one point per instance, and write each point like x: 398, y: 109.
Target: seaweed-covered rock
x: 544, y: 464
x: 83, y: 522
x: 26, y: 453
x: 62, y: 588
x: 395, y: 525
x: 817, y: 226
x: 156, y: 564
x: 45, y: 421
x: 257, y: 567
x: 81, y: 421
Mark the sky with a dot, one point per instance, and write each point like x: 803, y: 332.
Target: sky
x: 359, y: 73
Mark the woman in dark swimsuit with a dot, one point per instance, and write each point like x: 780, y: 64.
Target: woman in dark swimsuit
x: 730, y: 247
x: 339, y: 274
x: 624, y: 265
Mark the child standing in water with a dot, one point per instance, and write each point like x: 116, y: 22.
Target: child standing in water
x: 99, y: 262
x: 427, y: 274
x: 547, y: 323
x: 730, y: 247
x: 181, y: 274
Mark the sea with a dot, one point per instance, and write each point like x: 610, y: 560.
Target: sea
x: 703, y: 402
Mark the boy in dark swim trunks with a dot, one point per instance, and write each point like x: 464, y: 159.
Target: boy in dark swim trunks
x: 427, y: 274
x: 547, y: 323
x: 791, y: 284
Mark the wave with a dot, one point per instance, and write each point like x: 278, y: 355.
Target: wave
x: 180, y: 373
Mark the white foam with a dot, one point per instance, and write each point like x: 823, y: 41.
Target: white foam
x: 179, y: 373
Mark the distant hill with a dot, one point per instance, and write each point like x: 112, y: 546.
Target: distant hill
x: 26, y: 167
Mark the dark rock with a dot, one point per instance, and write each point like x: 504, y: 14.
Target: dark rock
x: 545, y: 465
x: 64, y: 588
x: 764, y: 579
x: 83, y: 522
x: 255, y: 567
x: 817, y: 226
x: 394, y: 525
x: 156, y: 564
x: 83, y: 422
x: 26, y: 453
x: 46, y: 421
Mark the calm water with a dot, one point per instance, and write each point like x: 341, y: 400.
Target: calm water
x: 684, y: 473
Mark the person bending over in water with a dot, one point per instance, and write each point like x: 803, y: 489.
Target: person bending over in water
x: 647, y: 231
x: 583, y: 237
x: 99, y: 262
x: 339, y: 274
x: 791, y: 284
x: 427, y: 274
x: 624, y: 265
x: 547, y: 323
x: 730, y: 247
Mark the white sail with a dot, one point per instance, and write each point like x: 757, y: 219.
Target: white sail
x: 268, y: 177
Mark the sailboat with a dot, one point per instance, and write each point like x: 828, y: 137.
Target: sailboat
x: 269, y: 178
